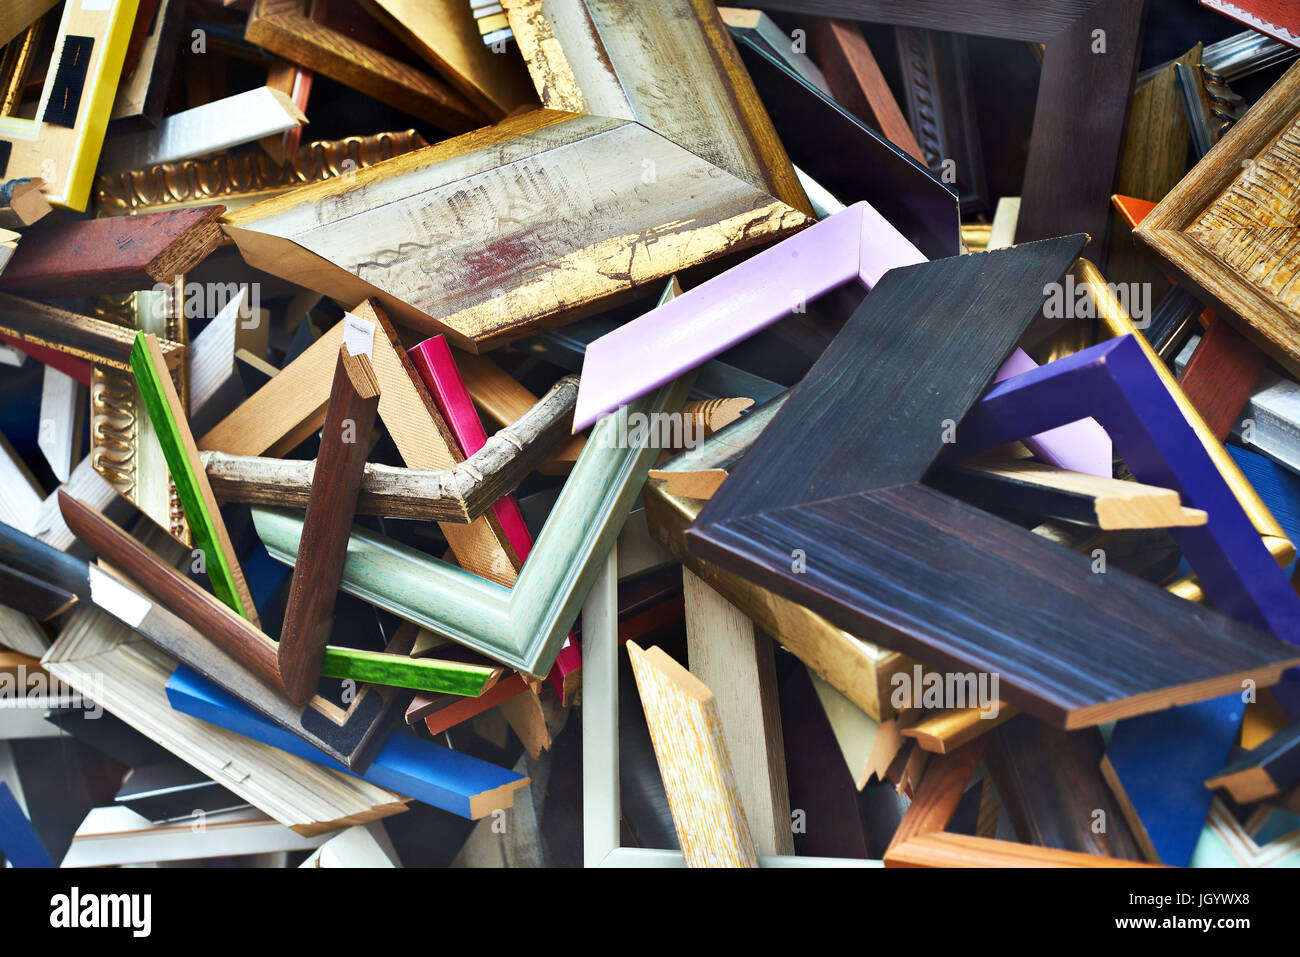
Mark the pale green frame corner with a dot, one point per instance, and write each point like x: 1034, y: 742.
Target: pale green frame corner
x: 524, y: 626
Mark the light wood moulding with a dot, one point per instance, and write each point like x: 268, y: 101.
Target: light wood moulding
x: 459, y: 494
x: 444, y: 33
x: 285, y: 28
x: 104, y: 660
x: 1228, y: 228
x: 22, y: 202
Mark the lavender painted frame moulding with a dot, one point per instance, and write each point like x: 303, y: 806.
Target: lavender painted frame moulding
x: 857, y: 244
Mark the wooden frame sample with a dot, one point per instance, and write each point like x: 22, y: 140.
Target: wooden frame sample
x: 101, y: 256
x: 299, y: 794
x: 856, y: 245
x: 1221, y: 376
x: 201, y: 511
x: 1159, y: 446
x: 1083, y: 96
x: 525, y: 626
x: 755, y: 528
x: 1264, y: 771
x: 336, y: 483
x: 937, y: 86
x: 539, y: 172
x: 1049, y: 492
x: 436, y: 366
x: 738, y: 666
x: 693, y: 760
x: 81, y: 337
x: 240, y: 179
x: 214, y: 126
x: 62, y: 417
x: 857, y: 84
x: 459, y: 494
x: 290, y: 407
x: 757, y: 28
x: 63, y: 145
x: 856, y: 668
x: 285, y: 28
x: 422, y: 770
x: 1227, y: 229
x: 600, y: 745
x: 142, y: 95
x: 1225, y: 843
x: 22, y: 203
x: 849, y: 159
x: 445, y: 34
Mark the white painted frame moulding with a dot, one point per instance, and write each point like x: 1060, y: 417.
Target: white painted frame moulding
x: 601, y: 811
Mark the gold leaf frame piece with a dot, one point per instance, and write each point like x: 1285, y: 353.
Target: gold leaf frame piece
x: 550, y: 215
x: 245, y: 178
x: 1231, y: 227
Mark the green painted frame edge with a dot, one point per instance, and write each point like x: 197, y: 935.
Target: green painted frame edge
x: 522, y: 627
x: 402, y: 671
x: 600, y: 770
x: 148, y: 379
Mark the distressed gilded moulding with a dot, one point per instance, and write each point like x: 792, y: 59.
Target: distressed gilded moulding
x: 1229, y: 228
x: 542, y: 218
x: 243, y: 178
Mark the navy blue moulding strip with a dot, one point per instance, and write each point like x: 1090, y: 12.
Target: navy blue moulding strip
x: 69, y: 81
x: 18, y: 838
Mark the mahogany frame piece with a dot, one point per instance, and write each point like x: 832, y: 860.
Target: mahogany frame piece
x: 1228, y: 228
x: 893, y: 561
x: 459, y: 494
x: 850, y: 159
x: 1083, y: 96
x: 63, y: 145
x: 102, y: 256
x: 245, y: 666
x: 524, y: 626
x: 601, y: 815
x: 578, y: 222
x: 855, y: 245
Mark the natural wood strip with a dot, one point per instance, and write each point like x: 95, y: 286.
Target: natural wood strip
x: 284, y: 28
x: 738, y: 665
x: 936, y: 800
x: 959, y: 850
x: 693, y: 760
x: 22, y: 202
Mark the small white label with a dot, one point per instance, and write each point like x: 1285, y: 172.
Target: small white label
x: 359, y: 335
x: 116, y: 599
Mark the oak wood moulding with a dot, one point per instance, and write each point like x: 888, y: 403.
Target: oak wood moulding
x: 895, y: 562
x: 1083, y: 95
x: 529, y: 223
x: 1228, y: 228
x: 285, y: 28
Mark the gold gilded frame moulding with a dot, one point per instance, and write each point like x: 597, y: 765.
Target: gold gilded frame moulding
x: 245, y: 178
